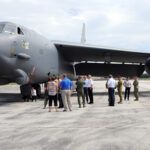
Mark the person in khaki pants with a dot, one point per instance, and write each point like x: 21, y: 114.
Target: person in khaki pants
x: 66, y: 86
x: 136, y: 88
x: 119, y: 87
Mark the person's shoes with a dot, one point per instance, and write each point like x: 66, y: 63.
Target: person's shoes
x: 83, y: 105
x: 119, y: 102
x: 49, y: 110
x: 70, y: 109
x: 79, y: 106
x: 64, y: 110
x: 60, y: 107
x: 136, y: 100
x: 44, y: 107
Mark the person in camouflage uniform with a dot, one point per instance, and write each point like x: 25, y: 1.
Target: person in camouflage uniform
x: 119, y: 87
x: 80, y: 91
x: 136, y: 88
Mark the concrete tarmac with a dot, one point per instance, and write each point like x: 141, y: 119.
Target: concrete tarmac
x: 26, y: 126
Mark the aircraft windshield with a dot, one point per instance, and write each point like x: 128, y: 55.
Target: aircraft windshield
x: 10, y: 29
x: 1, y: 27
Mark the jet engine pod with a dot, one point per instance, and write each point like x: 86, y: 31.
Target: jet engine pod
x: 147, y: 66
x: 21, y: 77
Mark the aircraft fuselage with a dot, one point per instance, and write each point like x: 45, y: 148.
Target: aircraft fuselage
x: 27, y: 56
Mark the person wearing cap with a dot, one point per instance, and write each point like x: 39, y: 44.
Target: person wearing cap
x: 111, y: 85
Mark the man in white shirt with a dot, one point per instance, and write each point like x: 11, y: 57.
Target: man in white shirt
x: 90, y: 89
x: 85, y: 87
x: 127, y: 85
x: 111, y: 85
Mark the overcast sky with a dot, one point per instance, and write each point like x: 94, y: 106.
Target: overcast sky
x: 114, y: 23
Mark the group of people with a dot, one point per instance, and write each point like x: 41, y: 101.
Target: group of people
x: 84, y: 88
x: 111, y: 85
x: 60, y: 89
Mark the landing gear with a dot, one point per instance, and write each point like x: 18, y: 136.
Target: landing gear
x: 26, y: 91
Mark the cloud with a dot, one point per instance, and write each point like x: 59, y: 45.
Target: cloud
x: 114, y: 23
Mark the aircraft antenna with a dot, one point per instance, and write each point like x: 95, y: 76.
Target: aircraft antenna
x: 83, y: 38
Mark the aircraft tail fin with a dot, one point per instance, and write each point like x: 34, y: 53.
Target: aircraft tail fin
x: 83, y: 36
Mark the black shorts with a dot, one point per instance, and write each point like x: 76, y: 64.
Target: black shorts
x: 51, y: 99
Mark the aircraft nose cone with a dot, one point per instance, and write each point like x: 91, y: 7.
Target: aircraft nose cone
x: 1, y: 40
x: 3, y: 45
x: 6, y: 44
x: 5, y: 62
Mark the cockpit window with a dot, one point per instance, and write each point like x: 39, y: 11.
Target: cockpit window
x: 10, y: 29
x: 1, y: 27
x: 19, y: 31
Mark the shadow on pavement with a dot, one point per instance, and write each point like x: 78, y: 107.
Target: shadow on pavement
x: 142, y: 93
x: 9, y: 98
x: 6, y: 98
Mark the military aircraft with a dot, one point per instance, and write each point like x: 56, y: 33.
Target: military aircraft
x: 27, y: 57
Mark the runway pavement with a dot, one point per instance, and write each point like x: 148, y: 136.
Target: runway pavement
x: 26, y: 126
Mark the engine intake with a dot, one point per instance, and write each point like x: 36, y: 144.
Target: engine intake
x: 21, y: 77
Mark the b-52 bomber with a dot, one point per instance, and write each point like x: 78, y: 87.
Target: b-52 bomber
x: 27, y: 57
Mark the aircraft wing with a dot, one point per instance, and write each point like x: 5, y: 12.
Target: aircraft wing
x: 73, y: 52
x: 101, y: 61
